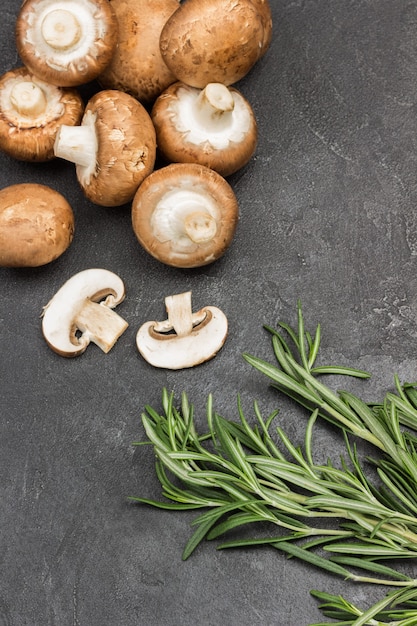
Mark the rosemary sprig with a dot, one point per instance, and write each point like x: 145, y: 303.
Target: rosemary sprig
x: 340, y: 519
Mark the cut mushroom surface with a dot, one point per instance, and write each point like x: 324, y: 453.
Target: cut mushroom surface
x: 81, y: 312
x: 31, y: 112
x: 114, y: 147
x: 185, y: 339
x: 66, y: 42
x: 185, y: 215
x: 214, y: 126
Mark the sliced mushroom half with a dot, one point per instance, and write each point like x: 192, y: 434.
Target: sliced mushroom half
x: 82, y: 312
x: 66, y: 42
x: 185, y: 339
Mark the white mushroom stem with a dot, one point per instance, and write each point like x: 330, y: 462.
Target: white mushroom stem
x: 185, y: 216
x: 61, y: 29
x: 197, y: 337
x: 77, y: 144
x: 181, y: 319
x: 28, y: 99
x: 214, y: 106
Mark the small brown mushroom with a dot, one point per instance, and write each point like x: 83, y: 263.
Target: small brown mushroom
x: 214, y: 126
x: 81, y: 312
x: 113, y: 149
x: 185, y: 339
x: 185, y: 215
x: 31, y: 111
x: 36, y: 225
x: 137, y: 66
x: 213, y: 41
x: 66, y: 43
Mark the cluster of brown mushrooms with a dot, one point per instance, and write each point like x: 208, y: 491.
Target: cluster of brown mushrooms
x: 165, y: 71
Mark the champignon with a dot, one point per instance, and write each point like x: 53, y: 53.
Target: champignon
x: 214, y: 126
x: 36, y: 225
x: 137, y: 66
x: 185, y: 215
x: 185, y: 339
x: 66, y: 42
x: 113, y: 148
x: 81, y: 312
x: 31, y: 112
x: 213, y: 41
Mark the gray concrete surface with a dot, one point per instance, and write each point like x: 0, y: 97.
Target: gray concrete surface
x: 328, y: 216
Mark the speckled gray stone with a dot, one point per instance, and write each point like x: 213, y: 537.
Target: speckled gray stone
x: 328, y: 216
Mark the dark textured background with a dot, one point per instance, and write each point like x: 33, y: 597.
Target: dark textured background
x: 328, y: 216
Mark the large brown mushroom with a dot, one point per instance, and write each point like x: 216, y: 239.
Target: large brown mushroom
x: 31, y: 112
x: 137, y: 66
x: 214, y: 126
x: 66, y: 43
x: 185, y: 215
x: 113, y: 148
x: 36, y: 225
x: 214, y: 41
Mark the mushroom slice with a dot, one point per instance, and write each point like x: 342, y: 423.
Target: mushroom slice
x: 31, y: 112
x: 185, y: 215
x: 114, y: 147
x: 81, y: 312
x: 66, y: 42
x: 214, y: 126
x: 185, y: 339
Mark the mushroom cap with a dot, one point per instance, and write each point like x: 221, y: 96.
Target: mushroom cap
x: 88, y: 30
x: 126, y: 148
x: 36, y: 225
x: 30, y: 136
x: 212, y: 41
x: 137, y: 66
x: 185, y: 215
x: 264, y: 8
x: 73, y: 318
x: 185, y: 136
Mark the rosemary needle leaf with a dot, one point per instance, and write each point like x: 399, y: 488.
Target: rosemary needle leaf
x: 313, y: 559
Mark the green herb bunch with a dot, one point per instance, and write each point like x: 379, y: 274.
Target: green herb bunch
x: 338, y: 518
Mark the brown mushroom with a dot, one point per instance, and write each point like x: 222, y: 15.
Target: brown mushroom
x: 213, y: 41
x: 66, y: 43
x: 31, y: 111
x: 113, y: 148
x: 36, y: 225
x: 214, y: 126
x: 137, y: 66
x: 185, y: 215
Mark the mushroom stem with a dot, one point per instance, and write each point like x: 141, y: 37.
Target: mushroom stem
x: 99, y: 324
x: 61, y: 29
x: 200, y: 226
x: 77, y: 144
x: 214, y: 106
x: 28, y: 99
x: 181, y: 318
